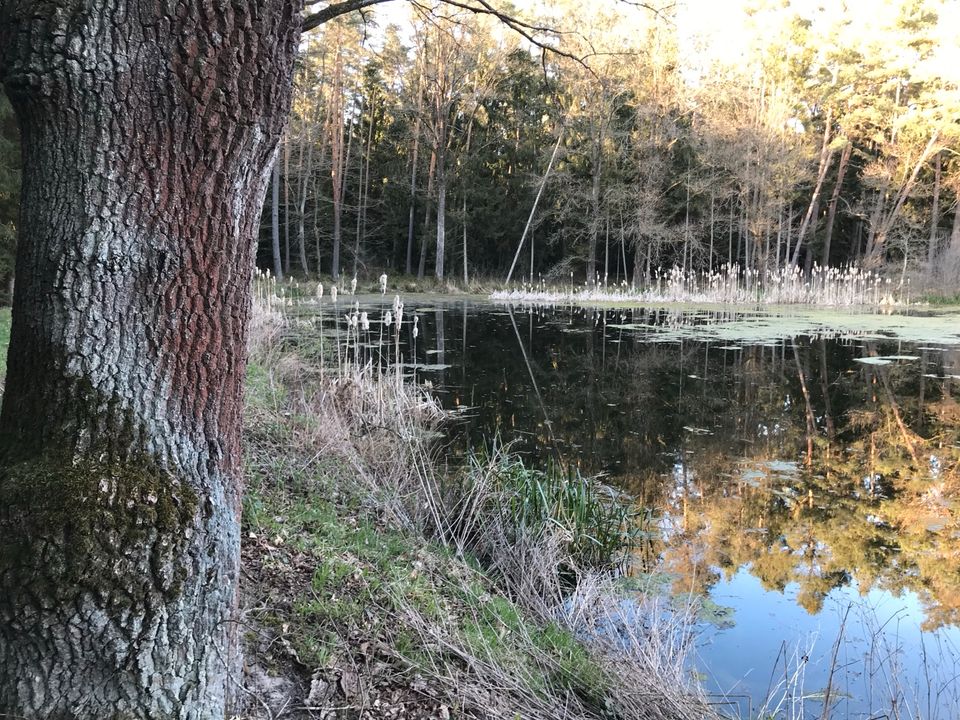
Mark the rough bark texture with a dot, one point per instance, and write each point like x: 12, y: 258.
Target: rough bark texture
x: 148, y: 129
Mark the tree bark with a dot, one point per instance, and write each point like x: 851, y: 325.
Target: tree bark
x: 149, y: 129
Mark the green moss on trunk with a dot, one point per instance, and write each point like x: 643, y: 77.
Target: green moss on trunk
x: 117, y: 529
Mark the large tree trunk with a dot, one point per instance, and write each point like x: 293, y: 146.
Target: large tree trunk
x: 148, y: 130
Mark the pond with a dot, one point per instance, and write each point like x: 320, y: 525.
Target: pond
x: 800, y: 471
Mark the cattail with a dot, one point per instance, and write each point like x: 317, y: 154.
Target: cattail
x: 416, y: 330
x: 383, y: 284
x: 364, y: 322
x: 353, y: 286
x: 319, y: 291
x: 333, y: 293
x: 388, y: 319
x: 397, y: 310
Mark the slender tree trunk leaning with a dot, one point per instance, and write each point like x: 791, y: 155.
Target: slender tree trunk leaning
x: 149, y: 146
x: 344, y: 176
x: 888, y: 221
x: 874, y: 223
x: 813, y: 209
x: 834, y: 200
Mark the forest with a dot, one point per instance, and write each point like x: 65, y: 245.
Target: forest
x: 827, y: 136
x: 419, y: 138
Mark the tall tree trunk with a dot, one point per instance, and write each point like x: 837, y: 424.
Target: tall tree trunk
x: 338, y: 164
x: 595, y: 206
x: 149, y: 147
x: 441, y: 201
x: 286, y: 204
x: 275, y: 222
x: 730, y: 236
x: 364, y: 189
x: 306, y: 176
x: 441, y: 219
x: 426, y: 216
x: 413, y: 175
x: 955, y: 231
x: 712, y: 210
x: 466, y: 276
x: 869, y: 250
x: 934, y: 212
x: 366, y: 174
x: 834, y: 200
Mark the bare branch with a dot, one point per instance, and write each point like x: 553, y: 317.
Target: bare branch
x: 333, y: 10
x: 529, y: 31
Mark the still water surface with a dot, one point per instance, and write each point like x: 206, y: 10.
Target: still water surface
x: 801, y: 474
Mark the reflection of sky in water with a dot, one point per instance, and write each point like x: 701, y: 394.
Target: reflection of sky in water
x: 748, y: 658
x: 692, y: 412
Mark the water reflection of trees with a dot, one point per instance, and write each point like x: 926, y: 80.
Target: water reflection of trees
x: 859, y: 482
x: 790, y: 459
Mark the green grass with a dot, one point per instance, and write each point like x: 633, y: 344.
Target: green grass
x: 941, y: 299
x: 596, y: 523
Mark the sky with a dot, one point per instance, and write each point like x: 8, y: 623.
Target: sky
x: 720, y: 30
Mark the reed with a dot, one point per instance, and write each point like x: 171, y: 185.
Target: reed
x: 729, y: 285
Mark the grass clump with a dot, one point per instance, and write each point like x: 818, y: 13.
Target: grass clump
x: 593, y: 522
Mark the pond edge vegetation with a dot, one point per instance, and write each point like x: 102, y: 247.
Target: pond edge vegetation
x: 378, y: 580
